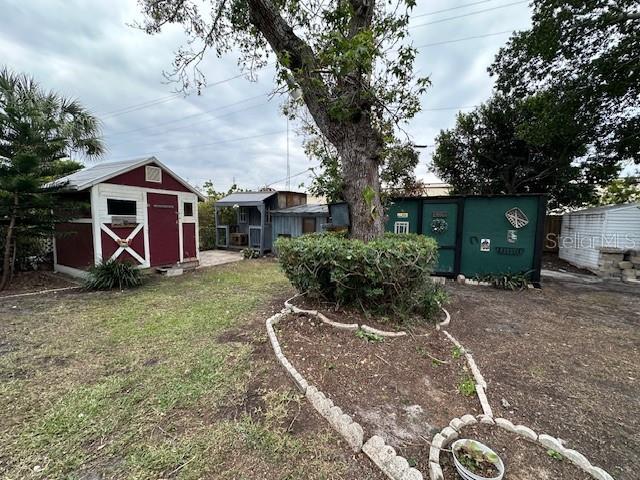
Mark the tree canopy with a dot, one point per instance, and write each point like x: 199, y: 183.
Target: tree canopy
x: 589, y: 49
x: 348, y: 62
x: 531, y: 145
x: 38, y: 132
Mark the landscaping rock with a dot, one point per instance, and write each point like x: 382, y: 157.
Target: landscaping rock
x: 486, y: 419
x: 468, y: 419
x: 577, y: 459
x: 482, y: 396
x: 457, y: 423
x: 434, y: 454
x: 505, y: 424
x: 411, y: 474
x: 526, y: 432
x: 461, y: 279
x: 550, y: 442
x: 625, y: 265
x: 382, y: 333
x: 449, y: 434
x: 438, y: 440
x: 435, y: 471
x: 599, y: 474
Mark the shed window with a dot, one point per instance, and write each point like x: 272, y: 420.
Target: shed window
x: 401, y: 227
x: 121, y: 207
x: 243, y: 215
x: 188, y: 209
x: 153, y: 174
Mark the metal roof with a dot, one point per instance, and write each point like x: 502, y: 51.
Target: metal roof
x: 102, y: 172
x: 315, y: 210
x: 245, y: 199
x: 604, y: 208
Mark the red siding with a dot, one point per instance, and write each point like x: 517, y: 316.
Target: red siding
x: 189, y: 240
x: 75, y: 248
x: 109, y: 245
x: 136, y: 178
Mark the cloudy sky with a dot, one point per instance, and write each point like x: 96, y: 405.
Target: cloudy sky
x: 86, y: 49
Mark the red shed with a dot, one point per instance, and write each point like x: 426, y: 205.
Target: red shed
x: 137, y: 210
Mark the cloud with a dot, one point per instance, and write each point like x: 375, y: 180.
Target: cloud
x: 89, y: 51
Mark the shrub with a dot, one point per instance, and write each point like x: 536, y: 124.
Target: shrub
x: 113, y: 274
x: 507, y: 280
x: 387, y: 275
x: 249, y: 253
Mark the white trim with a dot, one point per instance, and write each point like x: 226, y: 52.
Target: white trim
x: 145, y: 220
x: 130, y: 167
x: 143, y: 262
x: 95, y: 226
x: 74, y: 272
x: 404, y: 225
x: 197, y: 222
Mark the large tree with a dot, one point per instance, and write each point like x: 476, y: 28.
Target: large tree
x: 350, y: 60
x: 38, y: 132
x: 589, y: 49
x: 532, y: 145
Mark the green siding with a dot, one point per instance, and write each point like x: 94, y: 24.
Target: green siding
x: 485, y: 218
x: 395, y: 213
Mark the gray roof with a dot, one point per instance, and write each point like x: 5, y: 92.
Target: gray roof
x: 313, y: 210
x: 604, y: 208
x: 251, y: 199
x: 102, y: 172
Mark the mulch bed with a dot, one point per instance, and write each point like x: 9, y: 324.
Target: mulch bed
x: 565, y: 359
x: 28, y: 282
x: 523, y: 459
x: 394, y: 388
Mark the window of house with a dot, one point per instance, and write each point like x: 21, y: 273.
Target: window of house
x: 121, y: 207
x: 153, y: 174
x: 188, y: 209
x: 401, y: 227
x: 243, y: 215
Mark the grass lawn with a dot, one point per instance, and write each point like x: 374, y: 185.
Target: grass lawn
x: 173, y: 380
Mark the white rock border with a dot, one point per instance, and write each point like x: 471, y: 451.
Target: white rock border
x: 41, y: 292
x: 452, y: 432
x: 350, y: 430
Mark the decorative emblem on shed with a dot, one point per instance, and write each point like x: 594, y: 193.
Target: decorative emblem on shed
x: 516, y: 217
x: 439, y: 225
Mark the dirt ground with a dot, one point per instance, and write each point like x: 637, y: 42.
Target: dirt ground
x: 523, y: 460
x: 404, y: 389
x: 26, y: 282
x: 551, y: 261
x: 565, y: 359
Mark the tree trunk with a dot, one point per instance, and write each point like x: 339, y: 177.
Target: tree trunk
x: 362, y: 185
x: 7, y: 264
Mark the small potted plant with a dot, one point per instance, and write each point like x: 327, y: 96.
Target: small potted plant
x: 476, y: 461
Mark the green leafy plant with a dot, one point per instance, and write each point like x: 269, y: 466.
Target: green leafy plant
x: 249, y: 253
x: 388, y: 275
x: 555, y: 455
x: 112, y: 274
x: 369, y: 336
x: 471, y: 457
x: 507, y: 281
x: 456, y: 352
x: 466, y: 386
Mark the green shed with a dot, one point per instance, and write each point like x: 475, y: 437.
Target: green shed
x: 480, y: 234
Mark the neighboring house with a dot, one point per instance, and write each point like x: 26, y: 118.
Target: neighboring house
x: 136, y: 210
x: 588, y: 236
x: 296, y: 221
x: 252, y: 226
x: 436, y: 189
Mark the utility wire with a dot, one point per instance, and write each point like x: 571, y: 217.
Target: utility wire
x: 464, y: 39
x: 477, y: 12
x: 450, y: 9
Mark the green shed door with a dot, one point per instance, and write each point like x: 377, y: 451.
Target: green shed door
x: 491, y: 243
x: 440, y: 221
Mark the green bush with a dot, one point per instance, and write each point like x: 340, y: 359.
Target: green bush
x: 112, y: 274
x: 387, y: 275
x: 249, y: 253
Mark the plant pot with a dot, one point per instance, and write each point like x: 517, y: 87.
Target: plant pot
x: 466, y: 474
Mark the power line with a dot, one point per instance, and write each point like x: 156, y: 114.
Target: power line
x: 181, y: 127
x: 202, y: 145
x: 157, y: 101
x: 450, y: 9
x: 179, y: 119
x: 465, y: 39
x: 477, y: 12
